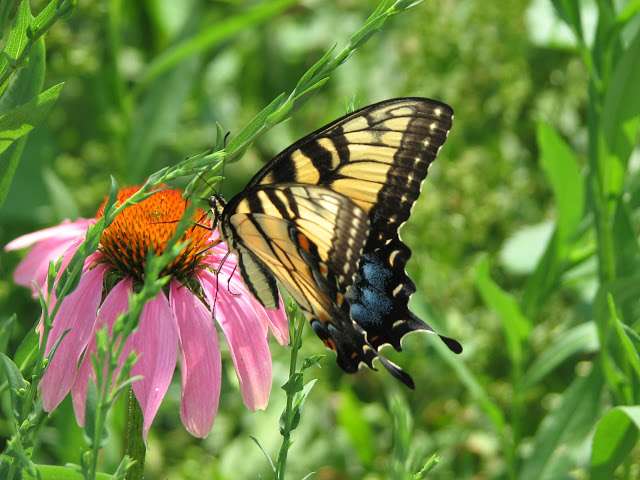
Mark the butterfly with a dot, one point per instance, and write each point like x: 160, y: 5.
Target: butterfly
x: 322, y: 218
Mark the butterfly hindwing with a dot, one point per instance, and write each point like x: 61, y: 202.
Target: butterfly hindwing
x: 257, y: 278
x: 311, y: 240
x: 380, y: 295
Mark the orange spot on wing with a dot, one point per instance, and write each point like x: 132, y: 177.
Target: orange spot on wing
x: 330, y: 343
x: 303, y: 242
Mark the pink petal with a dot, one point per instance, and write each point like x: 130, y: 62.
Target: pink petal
x: 156, y: 342
x: 77, y: 315
x: 201, y: 366
x: 117, y: 301
x: 278, y: 322
x: 248, y: 344
x: 65, y: 231
x: 274, y: 319
x: 35, y: 265
x: 234, y: 287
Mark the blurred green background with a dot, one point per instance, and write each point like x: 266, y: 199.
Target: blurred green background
x: 145, y: 83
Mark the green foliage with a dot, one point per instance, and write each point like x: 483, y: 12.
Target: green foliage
x: 615, y: 436
x: 525, y: 240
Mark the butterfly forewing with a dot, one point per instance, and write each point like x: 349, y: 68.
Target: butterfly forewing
x: 307, y: 230
x: 377, y: 156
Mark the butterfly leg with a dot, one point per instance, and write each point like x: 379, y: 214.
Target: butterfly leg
x: 217, y: 274
x: 229, y: 281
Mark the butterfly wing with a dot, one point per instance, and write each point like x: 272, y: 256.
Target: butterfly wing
x: 311, y: 240
x: 378, y: 157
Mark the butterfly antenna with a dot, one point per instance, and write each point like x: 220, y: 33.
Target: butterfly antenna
x: 224, y: 162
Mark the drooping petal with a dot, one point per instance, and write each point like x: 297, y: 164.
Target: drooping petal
x: 201, y: 366
x: 229, y: 278
x: 247, y: 342
x: 76, y: 317
x: 278, y: 322
x: 117, y: 301
x: 156, y: 343
x: 65, y: 231
x: 231, y: 284
x: 35, y: 265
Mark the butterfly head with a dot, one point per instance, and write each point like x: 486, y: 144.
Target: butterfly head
x: 216, y: 204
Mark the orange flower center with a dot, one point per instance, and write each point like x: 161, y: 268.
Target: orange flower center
x: 147, y: 227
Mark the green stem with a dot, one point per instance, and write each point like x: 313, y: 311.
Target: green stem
x: 288, y: 416
x: 134, y: 446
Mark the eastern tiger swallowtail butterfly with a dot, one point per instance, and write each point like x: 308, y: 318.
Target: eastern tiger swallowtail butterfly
x: 322, y: 218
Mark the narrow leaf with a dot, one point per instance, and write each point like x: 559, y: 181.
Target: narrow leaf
x: 616, y: 434
x: 582, y: 338
x: 516, y: 326
x: 213, y: 35
x: 355, y: 425
x: 17, y: 39
x: 621, y: 111
x: 561, y: 167
x: 569, y: 422
x: 21, y: 120
x: 26, y: 85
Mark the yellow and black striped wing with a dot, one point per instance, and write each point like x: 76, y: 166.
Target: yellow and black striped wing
x: 377, y: 156
x: 300, y: 220
x: 310, y: 239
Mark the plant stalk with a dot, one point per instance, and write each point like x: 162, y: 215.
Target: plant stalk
x: 134, y: 446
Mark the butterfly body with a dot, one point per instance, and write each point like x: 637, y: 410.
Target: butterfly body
x: 323, y: 216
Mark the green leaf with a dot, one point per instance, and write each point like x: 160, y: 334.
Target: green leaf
x: 17, y: 39
x: 430, y: 464
x: 466, y: 376
x: 355, y: 425
x: 620, y: 119
x: 299, y: 400
x: 293, y: 384
x: 14, y: 379
x: 213, y: 35
x: 627, y: 349
x: 6, y: 326
x: 21, y: 120
x: 569, y: 11
x: 516, y: 326
x: 621, y: 111
x: 625, y: 242
x: 543, y: 280
x: 5, y: 10
x: 582, y: 338
x: 630, y: 10
x: 53, y: 472
x: 26, y: 85
x: 27, y: 350
x: 616, y: 434
x: 312, y: 361
x: 91, y: 410
x: 157, y: 116
x: 61, y: 198
x: 402, y: 430
x: 565, y: 427
x: 563, y: 172
x: 521, y: 252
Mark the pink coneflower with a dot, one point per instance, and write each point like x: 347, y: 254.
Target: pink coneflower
x: 177, y: 320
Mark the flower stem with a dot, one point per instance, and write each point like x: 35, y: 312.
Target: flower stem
x: 290, y: 416
x: 134, y: 446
